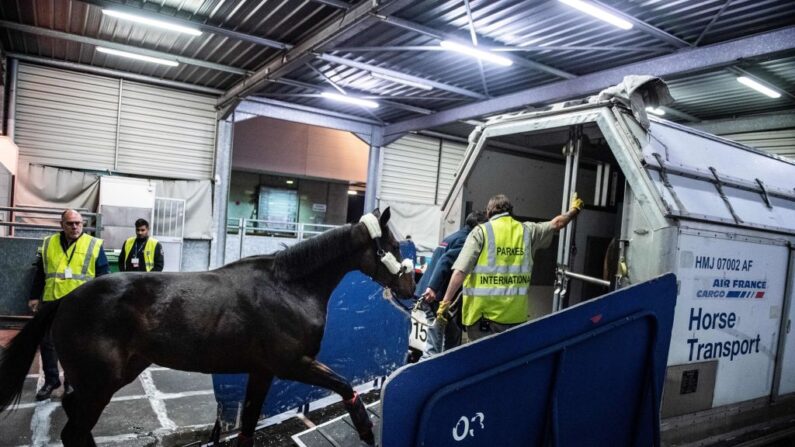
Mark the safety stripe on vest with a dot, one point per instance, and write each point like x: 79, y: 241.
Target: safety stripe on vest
x: 88, y: 255
x: 527, y: 255
x: 63, y: 276
x: 503, y: 269
x: 46, y: 248
x: 499, y: 292
x: 492, y: 245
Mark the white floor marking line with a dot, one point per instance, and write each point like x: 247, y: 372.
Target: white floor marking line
x: 40, y: 423
x: 158, y: 406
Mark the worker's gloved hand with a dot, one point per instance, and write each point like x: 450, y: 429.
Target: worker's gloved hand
x: 33, y: 305
x: 441, y: 313
x: 576, y: 202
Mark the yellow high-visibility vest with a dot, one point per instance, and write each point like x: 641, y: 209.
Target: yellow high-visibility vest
x: 80, y: 258
x: 148, y: 252
x: 497, y: 287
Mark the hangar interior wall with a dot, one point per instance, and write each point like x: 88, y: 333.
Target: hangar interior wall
x: 416, y: 173
x: 80, y: 121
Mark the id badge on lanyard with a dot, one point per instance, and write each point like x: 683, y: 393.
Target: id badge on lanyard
x: 134, y: 262
x: 67, y: 273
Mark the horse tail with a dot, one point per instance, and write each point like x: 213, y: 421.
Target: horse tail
x: 16, y: 359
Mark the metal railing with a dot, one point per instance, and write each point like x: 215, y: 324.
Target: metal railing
x: 248, y: 228
x: 254, y: 227
x: 10, y: 216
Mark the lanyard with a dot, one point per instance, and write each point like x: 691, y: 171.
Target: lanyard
x: 74, y: 247
x: 140, y: 247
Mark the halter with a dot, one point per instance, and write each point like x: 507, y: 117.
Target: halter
x: 388, y: 259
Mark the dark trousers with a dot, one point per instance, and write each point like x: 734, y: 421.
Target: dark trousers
x: 49, y: 360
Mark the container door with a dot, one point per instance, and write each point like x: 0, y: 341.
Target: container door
x: 786, y: 377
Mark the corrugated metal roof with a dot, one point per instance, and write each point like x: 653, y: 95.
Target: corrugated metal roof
x: 531, y: 31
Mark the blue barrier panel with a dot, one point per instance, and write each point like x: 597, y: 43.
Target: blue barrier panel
x: 365, y: 338
x: 591, y: 375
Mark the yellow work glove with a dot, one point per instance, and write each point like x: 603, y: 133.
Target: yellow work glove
x: 576, y: 202
x: 441, y: 313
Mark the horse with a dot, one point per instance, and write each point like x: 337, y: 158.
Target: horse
x: 261, y: 315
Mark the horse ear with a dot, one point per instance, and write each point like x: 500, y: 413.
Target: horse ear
x: 385, y: 217
x: 376, y: 212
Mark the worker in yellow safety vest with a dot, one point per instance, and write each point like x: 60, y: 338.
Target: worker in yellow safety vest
x: 494, y: 267
x: 66, y: 261
x: 141, y: 253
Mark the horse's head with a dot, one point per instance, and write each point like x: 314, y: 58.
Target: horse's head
x: 381, y: 258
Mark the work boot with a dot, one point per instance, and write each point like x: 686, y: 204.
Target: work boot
x: 67, y: 389
x: 46, y: 391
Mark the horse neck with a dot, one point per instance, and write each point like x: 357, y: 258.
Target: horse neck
x: 330, y: 276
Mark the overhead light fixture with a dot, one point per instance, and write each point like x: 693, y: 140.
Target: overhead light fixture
x: 399, y: 80
x: 151, y: 22
x: 748, y: 82
x: 350, y: 100
x: 289, y: 182
x: 656, y: 111
x: 599, y: 13
x: 352, y: 192
x: 140, y: 57
x: 474, y: 52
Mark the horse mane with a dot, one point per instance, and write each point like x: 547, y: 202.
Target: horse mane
x: 308, y: 256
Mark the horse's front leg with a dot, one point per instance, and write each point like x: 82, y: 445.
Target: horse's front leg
x: 312, y: 372
x: 256, y: 390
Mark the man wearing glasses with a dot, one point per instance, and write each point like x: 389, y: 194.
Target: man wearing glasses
x: 66, y: 260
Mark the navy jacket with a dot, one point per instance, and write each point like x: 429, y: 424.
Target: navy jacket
x: 440, y: 268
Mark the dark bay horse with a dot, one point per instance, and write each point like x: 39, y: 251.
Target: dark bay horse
x: 261, y: 315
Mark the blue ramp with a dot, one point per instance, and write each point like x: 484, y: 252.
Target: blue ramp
x: 591, y: 375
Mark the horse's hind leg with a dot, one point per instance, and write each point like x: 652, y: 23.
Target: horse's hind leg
x: 312, y: 372
x: 83, y: 409
x: 94, y: 386
x: 256, y: 390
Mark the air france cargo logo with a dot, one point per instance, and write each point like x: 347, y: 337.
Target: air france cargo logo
x: 730, y: 287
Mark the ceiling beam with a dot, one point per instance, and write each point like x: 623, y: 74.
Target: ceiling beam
x: 190, y: 24
x: 341, y: 27
x: 430, y: 32
x: 523, y: 49
x: 117, y: 46
x: 308, y: 115
x: 386, y: 71
x: 335, y: 3
x: 683, y: 61
x: 755, y: 123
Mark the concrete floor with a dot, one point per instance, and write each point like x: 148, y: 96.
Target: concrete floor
x: 161, y: 407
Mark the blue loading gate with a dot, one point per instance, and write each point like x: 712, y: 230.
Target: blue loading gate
x: 589, y: 376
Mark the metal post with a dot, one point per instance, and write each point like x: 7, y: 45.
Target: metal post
x: 373, y: 174
x: 223, y: 173
x: 241, y: 231
x: 13, y: 72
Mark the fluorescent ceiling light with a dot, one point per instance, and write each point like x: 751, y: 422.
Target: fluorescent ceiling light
x: 289, y: 182
x: 152, y: 22
x: 399, y: 80
x: 352, y: 192
x: 140, y: 57
x: 599, y: 13
x: 350, y: 100
x: 658, y: 111
x: 748, y: 82
x: 474, y: 52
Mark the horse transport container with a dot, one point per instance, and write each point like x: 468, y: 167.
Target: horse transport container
x: 665, y: 198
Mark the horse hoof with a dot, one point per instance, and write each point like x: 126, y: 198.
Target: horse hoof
x: 245, y: 441
x: 368, y: 438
